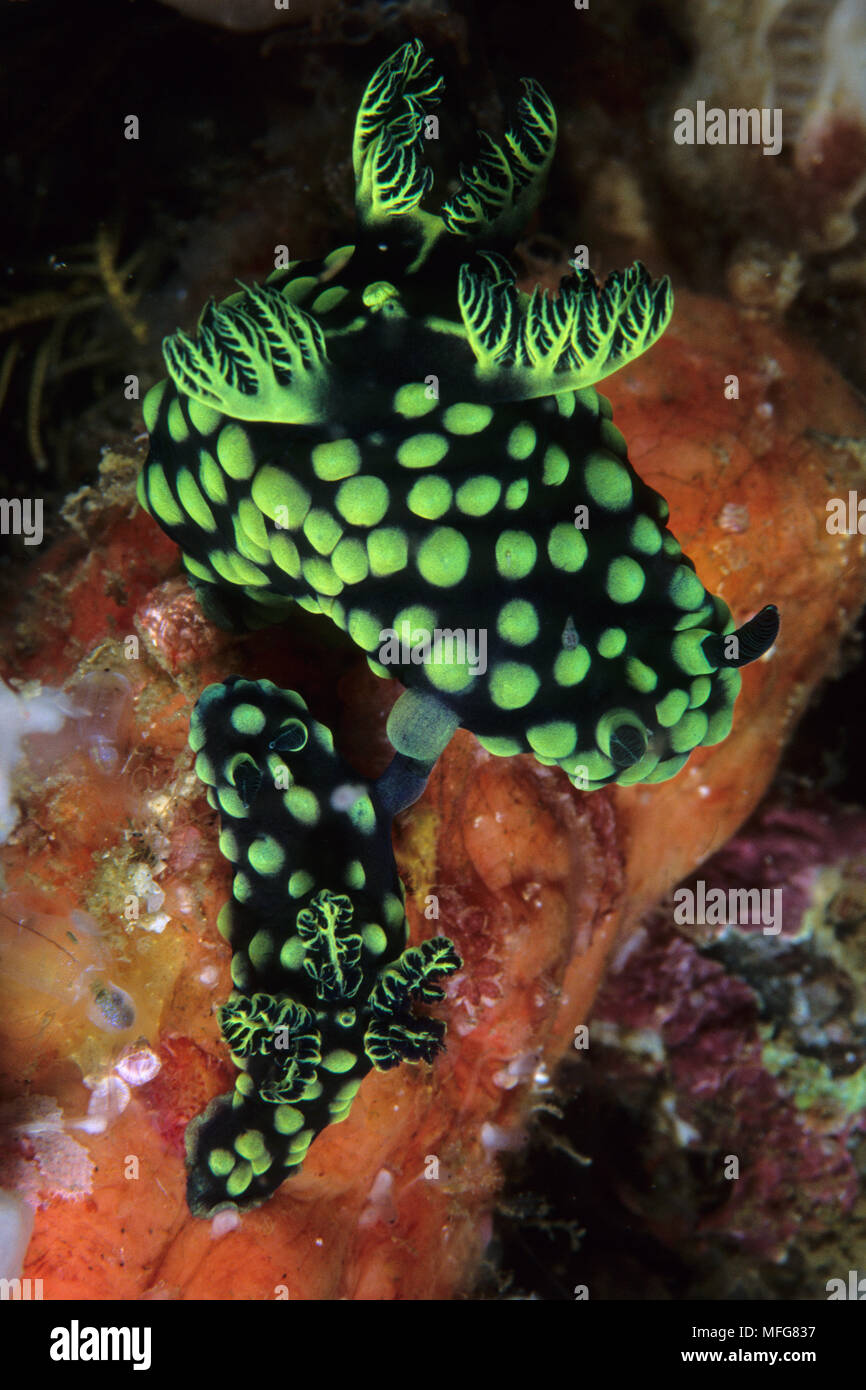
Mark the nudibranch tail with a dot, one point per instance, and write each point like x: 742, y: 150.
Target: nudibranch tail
x: 324, y: 980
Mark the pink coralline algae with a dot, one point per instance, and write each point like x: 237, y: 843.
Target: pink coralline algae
x: 752, y: 1043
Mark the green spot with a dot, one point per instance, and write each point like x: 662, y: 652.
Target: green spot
x: 566, y: 547
x: 685, y: 589
x: 198, y: 571
x: 689, y: 732
x: 292, y: 952
x: 671, y: 546
x: 374, y: 938
x: 250, y: 1144
x: 565, y: 402
x: 720, y: 723
x: 321, y: 530
x: 612, y: 438
x: 300, y: 288
x: 517, y: 493
x: 612, y: 642
x: 363, y: 816
x: 422, y: 450
x: 235, y: 452
x: 363, y: 501
x: 518, y: 622
x: 303, y: 804
x: 242, y: 888
x: 287, y: 1119
x: 598, y: 767
x: 329, y: 299
x: 464, y: 418
x: 645, y: 536
x: 140, y: 492
x: 240, y: 970
x: 229, y: 846
x: 284, y: 554
x: 516, y: 554
x: 349, y: 561
x: 451, y: 679
x: 336, y: 260
x: 625, y: 579
x: 521, y: 441
x: 421, y: 620
x: 702, y: 616
x: 253, y: 527
x: 204, y: 770
x: 237, y: 570
x: 554, y: 740
x: 161, y: 498
x: 364, y: 629
x: 248, y: 719
x: 266, y: 855
x: 203, y: 418
x: 430, y: 498
x: 395, y: 911
x: 608, y: 482
x: 671, y: 709
x: 664, y: 771
x: 388, y: 550
x: 320, y: 576
x: 239, y: 1180
x: 413, y: 400
x: 443, y: 557
x: 280, y: 496
x: 570, y: 667
x: 299, y: 1145
x: 224, y: 922
x: 300, y: 883
x: 177, y: 426
x: 500, y: 747
x: 556, y: 465
x: 478, y: 496
x: 640, y: 676
x: 261, y: 950
x: 688, y: 653
x: 340, y: 458
x: 220, y: 1162
x: 354, y: 875
x: 340, y: 1060
x: 512, y: 684
x: 699, y: 691
x: 151, y: 403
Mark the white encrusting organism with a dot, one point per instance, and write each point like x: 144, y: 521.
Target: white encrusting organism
x: 34, y: 711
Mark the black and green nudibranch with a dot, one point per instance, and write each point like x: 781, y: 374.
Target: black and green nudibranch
x: 324, y: 979
x: 395, y: 436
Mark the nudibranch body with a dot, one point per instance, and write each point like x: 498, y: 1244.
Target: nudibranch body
x: 324, y: 981
x: 398, y: 438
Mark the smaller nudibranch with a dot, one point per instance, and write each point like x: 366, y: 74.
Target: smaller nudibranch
x: 324, y: 980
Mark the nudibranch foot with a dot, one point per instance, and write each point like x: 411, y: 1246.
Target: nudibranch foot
x: 325, y: 983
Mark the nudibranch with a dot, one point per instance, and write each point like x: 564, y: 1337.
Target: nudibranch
x: 324, y: 980
x: 396, y: 437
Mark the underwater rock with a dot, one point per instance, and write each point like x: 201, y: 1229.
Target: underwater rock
x: 806, y: 60
x: 737, y: 1048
